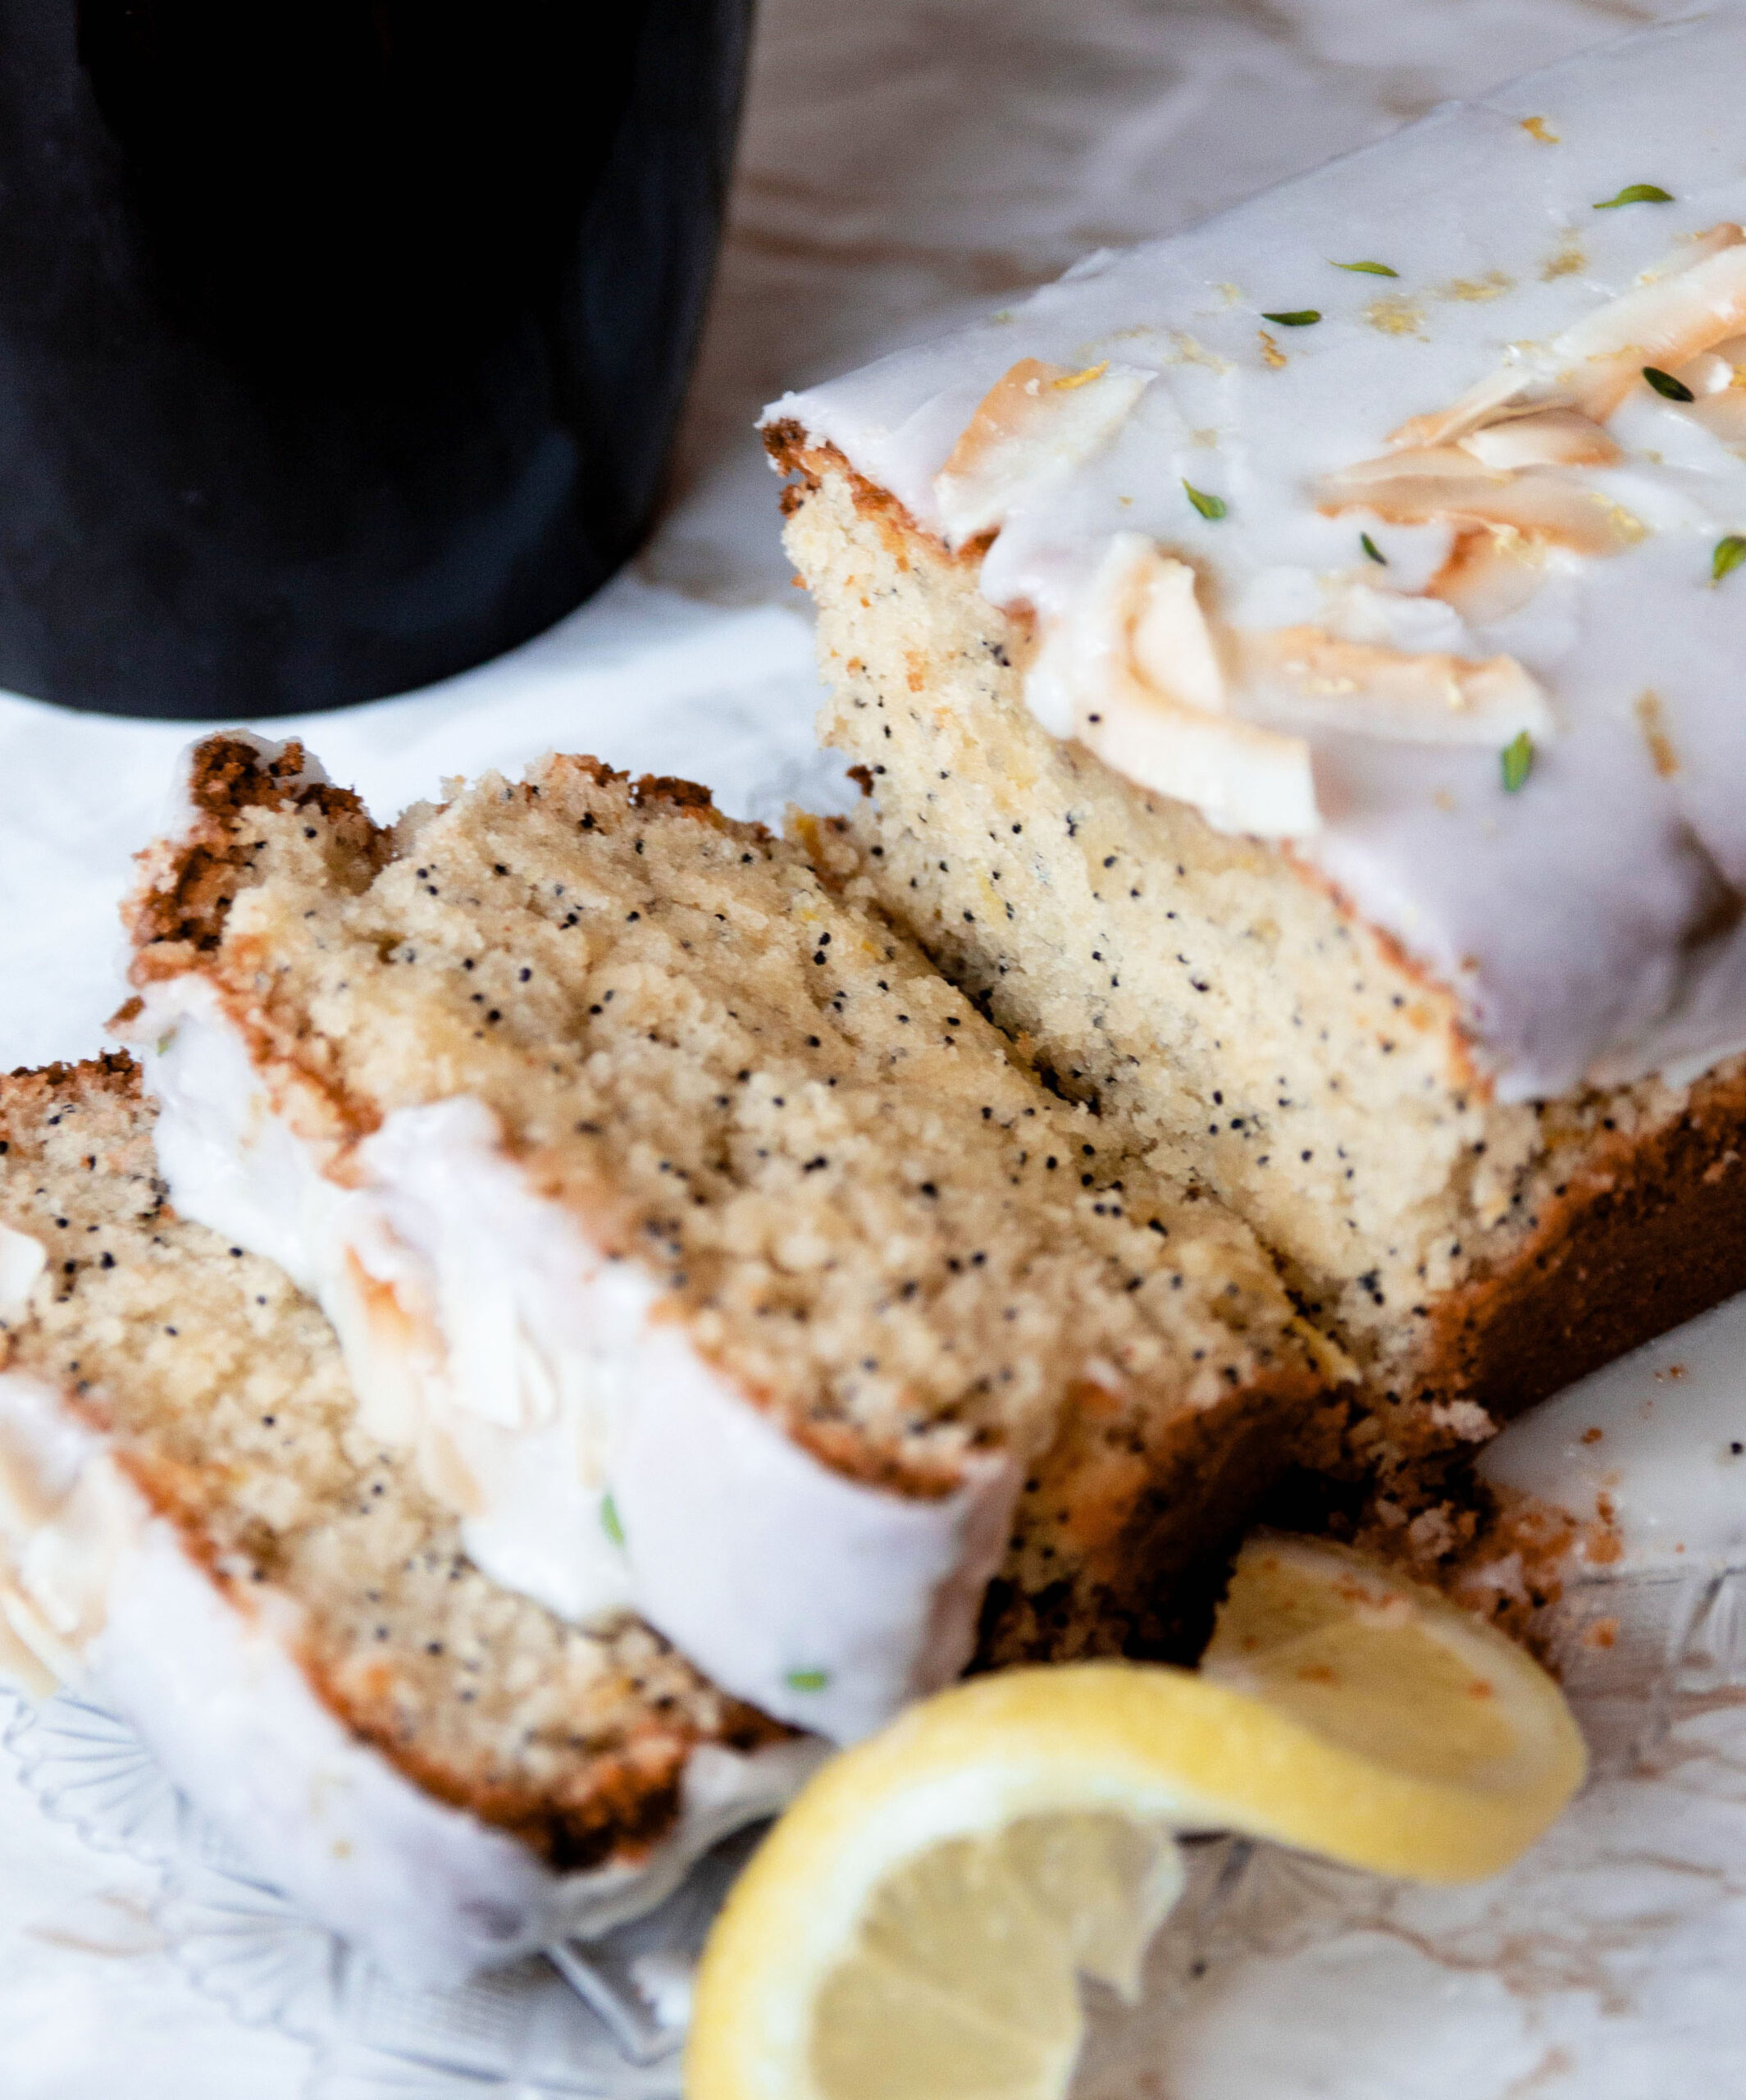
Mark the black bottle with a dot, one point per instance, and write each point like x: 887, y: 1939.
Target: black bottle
x: 341, y: 341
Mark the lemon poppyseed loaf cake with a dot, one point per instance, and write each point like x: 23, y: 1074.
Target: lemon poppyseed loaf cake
x: 1295, y: 668
x: 714, y: 1253
x: 194, y: 1520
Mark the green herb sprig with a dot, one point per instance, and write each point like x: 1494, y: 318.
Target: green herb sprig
x: 1208, y: 506
x: 1635, y: 193
x: 609, y: 1522
x: 1304, y: 318
x: 1666, y: 385
x: 807, y: 1680
x: 1517, y: 759
x: 1368, y: 269
x: 1372, y: 549
x: 1729, y: 555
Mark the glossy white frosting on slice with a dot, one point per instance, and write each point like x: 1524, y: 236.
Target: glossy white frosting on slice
x: 598, y: 1463
x: 1588, y: 917
x: 100, y: 1591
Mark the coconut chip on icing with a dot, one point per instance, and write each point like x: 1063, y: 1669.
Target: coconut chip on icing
x: 1208, y: 713
x: 1502, y: 464
x: 1034, y: 426
x: 1214, y: 715
x: 1693, y: 301
x: 1198, y: 710
x: 1134, y: 671
x: 1304, y: 678
x: 1541, y: 437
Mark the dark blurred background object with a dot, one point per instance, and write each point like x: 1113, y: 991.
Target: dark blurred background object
x: 341, y: 341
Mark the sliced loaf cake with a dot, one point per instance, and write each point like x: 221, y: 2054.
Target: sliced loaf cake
x: 1294, y: 669
x: 195, y: 1526
x: 716, y: 1255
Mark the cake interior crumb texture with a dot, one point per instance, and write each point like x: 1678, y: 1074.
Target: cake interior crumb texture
x: 221, y: 1392
x: 1226, y: 1015
x: 733, y: 1071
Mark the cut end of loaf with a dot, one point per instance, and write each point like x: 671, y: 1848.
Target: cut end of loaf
x: 1227, y: 1011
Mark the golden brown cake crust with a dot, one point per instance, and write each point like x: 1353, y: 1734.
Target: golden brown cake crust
x: 1116, y: 1501
x: 1650, y: 1231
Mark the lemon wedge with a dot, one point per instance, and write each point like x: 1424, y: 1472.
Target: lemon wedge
x: 914, y: 1929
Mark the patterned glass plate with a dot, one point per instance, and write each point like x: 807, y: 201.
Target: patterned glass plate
x: 1277, y: 1977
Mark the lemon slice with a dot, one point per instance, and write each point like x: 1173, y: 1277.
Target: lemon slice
x: 915, y: 1927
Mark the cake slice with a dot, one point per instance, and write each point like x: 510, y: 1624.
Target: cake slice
x: 195, y: 1527
x: 1294, y: 669
x: 715, y: 1256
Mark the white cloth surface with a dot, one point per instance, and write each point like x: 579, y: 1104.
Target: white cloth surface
x: 904, y: 161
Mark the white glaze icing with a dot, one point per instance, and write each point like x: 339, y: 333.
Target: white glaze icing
x: 102, y: 1591
x: 537, y: 1378
x: 1585, y: 919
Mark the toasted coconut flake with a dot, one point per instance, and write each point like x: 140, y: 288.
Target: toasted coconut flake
x: 1544, y: 437
x: 1451, y: 462
x: 1491, y: 572
x: 1010, y: 407
x: 1170, y: 643
x: 1036, y: 421
x: 1664, y: 323
x: 1215, y: 717
x: 1302, y: 677
x: 1695, y: 300
x: 1540, y: 503
x: 1481, y: 403
x: 1137, y: 669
